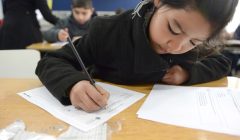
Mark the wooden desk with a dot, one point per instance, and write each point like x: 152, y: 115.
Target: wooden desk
x: 13, y: 107
x: 44, y: 47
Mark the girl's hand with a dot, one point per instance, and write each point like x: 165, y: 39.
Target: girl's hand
x: 176, y: 75
x: 85, y: 96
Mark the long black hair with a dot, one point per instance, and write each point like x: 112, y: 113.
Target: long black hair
x: 217, y: 12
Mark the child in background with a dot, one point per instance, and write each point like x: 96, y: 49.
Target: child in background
x: 75, y: 25
x: 157, y: 42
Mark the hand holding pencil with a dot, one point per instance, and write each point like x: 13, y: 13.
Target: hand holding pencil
x: 86, y: 94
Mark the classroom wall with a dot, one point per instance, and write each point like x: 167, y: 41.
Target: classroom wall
x: 99, y: 5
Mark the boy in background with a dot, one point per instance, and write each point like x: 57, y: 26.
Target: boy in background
x: 75, y: 25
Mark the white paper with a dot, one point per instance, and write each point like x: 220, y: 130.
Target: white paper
x: 58, y: 44
x: 119, y: 100
x: 212, y: 109
x: 98, y: 133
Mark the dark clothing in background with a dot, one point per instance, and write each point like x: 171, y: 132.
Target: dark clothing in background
x: 74, y: 29
x: 237, y: 33
x: 236, y: 57
x: 21, y: 27
x: 94, y: 14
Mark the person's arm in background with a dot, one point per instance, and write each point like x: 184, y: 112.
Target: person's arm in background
x: 46, y: 12
x: 58, y: 32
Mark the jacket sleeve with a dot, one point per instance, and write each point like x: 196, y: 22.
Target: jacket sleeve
x: 46, y: 12
x: 51, y: 35
x: 212, y: 66
x: 60, y: 70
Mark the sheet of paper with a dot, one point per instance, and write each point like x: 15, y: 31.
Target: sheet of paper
x: 119, y: 100
x: 58, y: 44
x: 98, y: 133
x: 212, y: 109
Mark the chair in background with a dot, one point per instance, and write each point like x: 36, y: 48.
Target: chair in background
x: 18, y: 63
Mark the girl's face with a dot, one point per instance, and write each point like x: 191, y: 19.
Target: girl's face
x: 176, y: 31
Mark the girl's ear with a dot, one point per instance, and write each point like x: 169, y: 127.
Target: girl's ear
x: 157, y: 3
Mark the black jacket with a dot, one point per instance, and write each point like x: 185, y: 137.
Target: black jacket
x: 117, y: 49
x: 74, y: 29
x: 20, y: 27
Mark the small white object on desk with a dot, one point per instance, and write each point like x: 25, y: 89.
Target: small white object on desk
x: 98, y: 133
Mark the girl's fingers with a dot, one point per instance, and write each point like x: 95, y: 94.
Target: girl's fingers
x: 96, y: 96
x: 103, y: 92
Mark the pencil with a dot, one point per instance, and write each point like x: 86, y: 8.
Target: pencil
x: 81, y: 62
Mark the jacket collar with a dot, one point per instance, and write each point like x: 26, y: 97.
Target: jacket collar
x: 146, y: 59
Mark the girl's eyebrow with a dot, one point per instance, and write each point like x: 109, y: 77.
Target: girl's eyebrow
x: 180, y: 27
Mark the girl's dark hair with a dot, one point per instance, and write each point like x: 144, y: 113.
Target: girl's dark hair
x: 82, y: 4
x: 217, y: 12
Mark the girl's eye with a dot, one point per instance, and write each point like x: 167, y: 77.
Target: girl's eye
x: 173, y: 30
x: 193, y: 44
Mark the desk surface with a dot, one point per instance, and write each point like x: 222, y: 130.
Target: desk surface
x: 44, y: 47
x: 13, y: 107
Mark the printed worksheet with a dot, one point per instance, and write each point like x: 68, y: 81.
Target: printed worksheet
x: 119, y: 100
x: 213, y: 109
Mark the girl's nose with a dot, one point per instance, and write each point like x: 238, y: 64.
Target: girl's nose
x: 174, y: 45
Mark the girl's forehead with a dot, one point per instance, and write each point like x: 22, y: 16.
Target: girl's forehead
x: 190, y: 21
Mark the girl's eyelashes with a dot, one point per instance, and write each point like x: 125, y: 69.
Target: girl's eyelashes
x: 193, y: 44
x: 171, y: 30
x: 175, y: 30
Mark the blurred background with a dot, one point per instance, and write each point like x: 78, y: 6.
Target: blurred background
x: 62, y: 8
